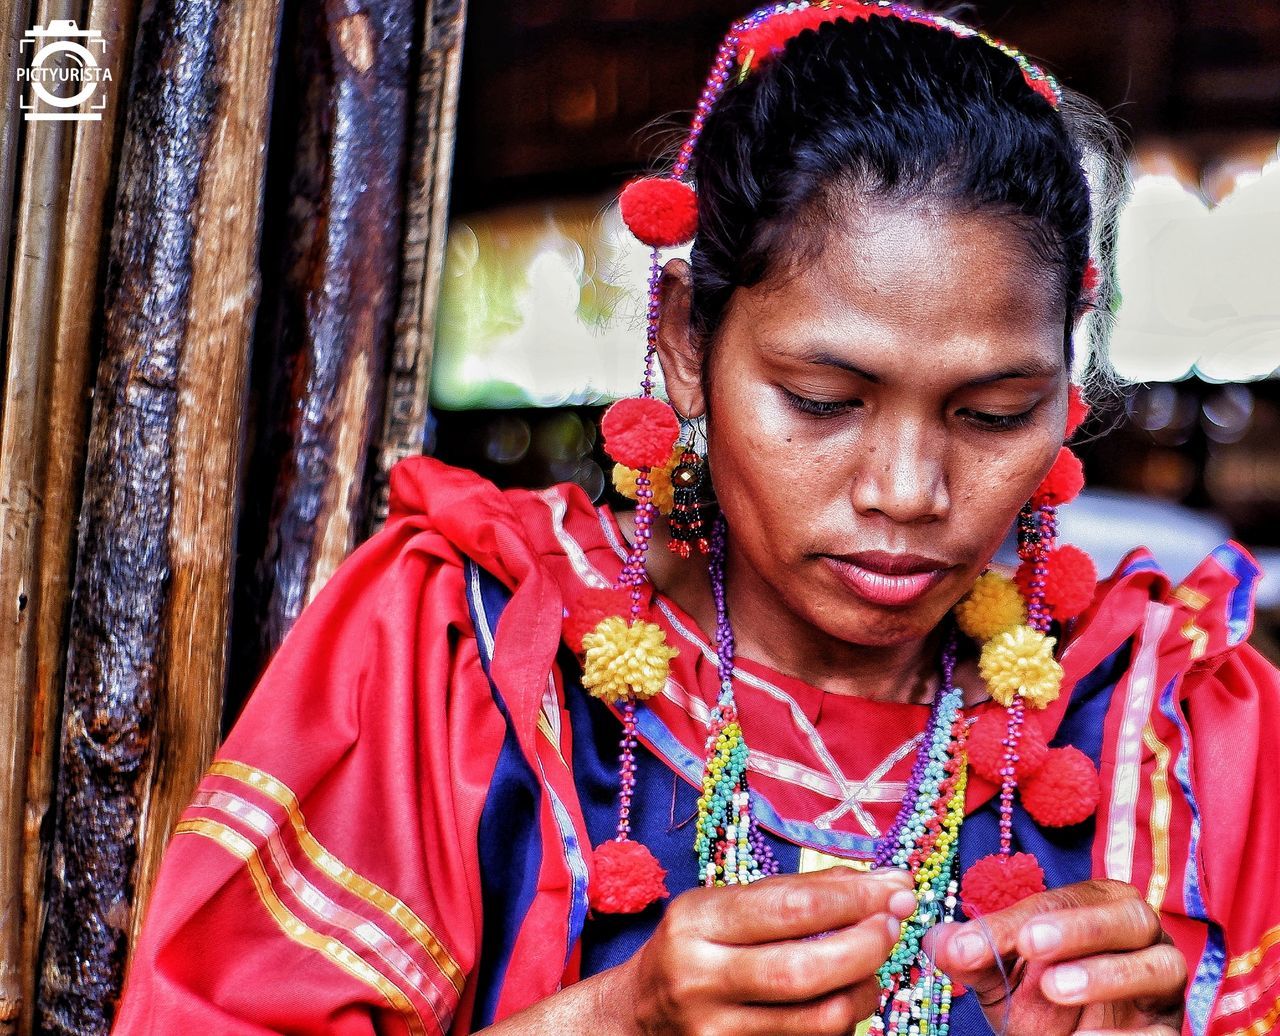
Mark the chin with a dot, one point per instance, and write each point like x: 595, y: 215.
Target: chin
x: 883, y: 628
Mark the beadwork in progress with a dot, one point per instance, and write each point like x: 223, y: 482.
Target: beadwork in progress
x: 923, y: 840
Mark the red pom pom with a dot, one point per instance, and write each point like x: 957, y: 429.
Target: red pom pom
x: 640, y: 432
x: 627, y: 878
x: 995, y: 882
x: 1070, y: 584
x: 985, y: 746
x: 593, y: 605
x: 1063, y: 483
x: 1077, y: 410
x: 1064, y: 792
x: 1091, y: 278
x: 660, y: 211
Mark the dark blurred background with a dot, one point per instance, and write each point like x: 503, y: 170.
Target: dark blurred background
x: 562, y: 100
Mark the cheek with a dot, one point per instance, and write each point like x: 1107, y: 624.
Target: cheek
x: 762, y: 468
x: 998, y: 483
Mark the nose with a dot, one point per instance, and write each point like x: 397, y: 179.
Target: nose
x: 902, y: 475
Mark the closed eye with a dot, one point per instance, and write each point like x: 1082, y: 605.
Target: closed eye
x: 997, y: 422
x: 820, y: 407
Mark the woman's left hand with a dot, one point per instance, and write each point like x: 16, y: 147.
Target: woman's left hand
x: 1085, y: 958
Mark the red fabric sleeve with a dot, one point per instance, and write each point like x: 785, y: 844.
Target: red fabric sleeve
x: 1234, y: 717
x: 324, y: 879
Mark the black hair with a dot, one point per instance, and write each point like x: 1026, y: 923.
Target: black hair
x: 880, y: 109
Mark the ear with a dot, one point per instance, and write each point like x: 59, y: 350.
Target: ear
x: 678, y: 350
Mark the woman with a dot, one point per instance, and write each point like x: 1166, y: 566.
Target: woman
x: 876, y: 328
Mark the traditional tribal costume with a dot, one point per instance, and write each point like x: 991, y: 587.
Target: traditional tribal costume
x: 487, y: 754
x: 396, y: 835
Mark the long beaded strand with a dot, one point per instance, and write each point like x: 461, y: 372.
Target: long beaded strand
x: 915, y: 996
x: 731, y: 850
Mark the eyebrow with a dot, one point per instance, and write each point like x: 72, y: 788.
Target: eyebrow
x: 1029, y: 369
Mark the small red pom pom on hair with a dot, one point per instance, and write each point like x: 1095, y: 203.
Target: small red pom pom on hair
x: 998, y: 881
x: 640, y: 432
x: 661, y: 211
x: 1070, y: 584
x: 627, y: 878
x: 1077, y: 410
x: 1091, y: 278
x: 1064, y: 792
x: 1063, y: 483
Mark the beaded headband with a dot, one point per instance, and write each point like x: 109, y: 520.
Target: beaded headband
x: 626, y: 657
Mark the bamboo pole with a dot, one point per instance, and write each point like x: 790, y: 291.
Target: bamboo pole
x: 66, y: 167
x: 325, y: 337
x: 209, y: 435
x: 11, y: 59
x: 41, y: 188
x: 93, y: 168
x: 146, y: 648
x: 427, y: 210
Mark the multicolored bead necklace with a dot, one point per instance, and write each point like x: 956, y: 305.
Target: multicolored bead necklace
x: 924, y: 840
x: 730, y: 848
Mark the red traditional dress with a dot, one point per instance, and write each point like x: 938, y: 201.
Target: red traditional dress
x: 395, y: 836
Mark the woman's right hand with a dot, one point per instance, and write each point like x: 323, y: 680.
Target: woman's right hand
x: 737, y: 959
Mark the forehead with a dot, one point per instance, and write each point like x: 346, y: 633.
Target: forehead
x: 907, y: 279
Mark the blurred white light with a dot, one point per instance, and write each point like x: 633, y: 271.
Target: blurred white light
x: 545, y: 305
x: 1200, y: 286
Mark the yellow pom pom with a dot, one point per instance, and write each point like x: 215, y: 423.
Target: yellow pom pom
x: 622, y: 658
x: 624, y: 481
x: 991, y: 607
x: 1020, y: 662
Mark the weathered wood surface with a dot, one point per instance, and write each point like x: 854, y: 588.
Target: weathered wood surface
x: 40, y: 183
x: 145, y: 660
x: 115, y: 661
x: 324, y: 336
x: 59, y: 199
x: 13, y: 20
x: 209, y: 435
x: 439, y: 64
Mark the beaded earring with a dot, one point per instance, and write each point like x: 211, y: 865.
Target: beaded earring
x: 625, y: 656
x: 687, y: 532
x: 1012, y: 619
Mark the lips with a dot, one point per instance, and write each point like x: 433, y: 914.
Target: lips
x: 891, y: 580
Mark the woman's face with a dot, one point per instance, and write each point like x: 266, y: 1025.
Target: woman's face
x: 876, y: 421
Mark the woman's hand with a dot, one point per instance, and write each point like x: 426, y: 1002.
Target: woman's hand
x: 1086, y: 958
x: 738, y: 959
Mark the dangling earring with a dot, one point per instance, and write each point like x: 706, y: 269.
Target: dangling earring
x: 1011, y: 619
x: 688, y: 531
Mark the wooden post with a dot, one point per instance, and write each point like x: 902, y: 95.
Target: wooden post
x: 146, y: 653
x: 324, y: 336
x: 59, y: 197
x: 426, y: 229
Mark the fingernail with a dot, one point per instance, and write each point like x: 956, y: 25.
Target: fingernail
x: 969, y: 948
x: 1044, y: 937
x: 902, y: 904
x: 895, y: 928
x: 1069, y: 980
